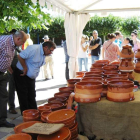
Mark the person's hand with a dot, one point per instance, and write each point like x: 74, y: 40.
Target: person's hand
x: 10, y: 70
x: 24, y: 71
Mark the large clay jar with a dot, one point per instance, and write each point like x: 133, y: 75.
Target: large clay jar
x: 71, y: 82
x: 126, y: 64
x: 137, y: 65
x: 137, y: 55
x: 127, y: 52
x: 102, y: 61
x: 86, y: 92
x: 120, y: 91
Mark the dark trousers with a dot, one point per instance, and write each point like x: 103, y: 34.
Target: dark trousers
x: 11, y: 91
x: 3, y: 97
x: 67, y: 71
x: 25, y: 87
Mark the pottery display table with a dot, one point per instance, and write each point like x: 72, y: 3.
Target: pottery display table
x: 110, y: 120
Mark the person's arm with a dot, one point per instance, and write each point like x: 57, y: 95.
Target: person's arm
x: 22, y: 62
x: 84, y: 49
x: 94, y: 47
x: 10, y: 70
x: 103, y: 53
x: 118, y: 50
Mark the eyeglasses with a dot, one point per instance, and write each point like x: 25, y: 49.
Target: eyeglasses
x: 132, y: 35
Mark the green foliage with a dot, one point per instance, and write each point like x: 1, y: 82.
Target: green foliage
x: 56, y: 28
x: 130, y: 24
x: 21, y: 14
x: 103, y: 25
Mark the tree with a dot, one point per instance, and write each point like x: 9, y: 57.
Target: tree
x: 103, y: 25
x: 21, y: 14
x: 130, y: 24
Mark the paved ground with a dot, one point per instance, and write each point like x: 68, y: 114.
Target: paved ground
x: 44, y: 89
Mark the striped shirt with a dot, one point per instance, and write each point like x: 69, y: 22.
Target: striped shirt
x: 7, y: 51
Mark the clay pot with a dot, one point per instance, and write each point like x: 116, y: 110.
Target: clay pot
x: 18, y: 128
x: 90, y: 88
x: 97, y: 65
x: 106, y: 62
x: 65, y: 89
x: 27, y: 119
x: 57, y: 100
x: 93, y: 75
x: 127, y: 52
x: 44, y: 108
x: 94, y: 79
x: 20, y: 136
x: 30, y: 113
x: 120, y: 86
x: 80, y: 74
x: 61, y: 116
x: 137, y: 55
x: 126, y: 64
x: 62, y: 94
x: 117, y: 63
x: 137, y: 65
x: 55, y: 106
x: 93, y: 72
x: 96, y: 70
x: 62, y: 134
x: 123, y: 75
x: 110, y: 67
x: 71, y: 82
x: 44, y: 114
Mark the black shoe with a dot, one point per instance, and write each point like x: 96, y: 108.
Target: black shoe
x: 12, y: 111
x: 7, y: 124
x: 52, y: 77
x: 47, y: 79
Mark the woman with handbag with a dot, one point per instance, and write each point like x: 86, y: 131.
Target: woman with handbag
x: 110, y: 50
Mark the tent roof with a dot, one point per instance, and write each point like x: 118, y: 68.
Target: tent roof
x: 96, y: 6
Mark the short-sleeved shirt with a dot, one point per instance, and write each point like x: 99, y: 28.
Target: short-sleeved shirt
x: 110, y: 50
x: 81, y: 53
x: 34, y: 59
x: 96, y: 52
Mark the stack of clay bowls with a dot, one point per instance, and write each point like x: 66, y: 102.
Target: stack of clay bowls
x: 66, y: 89
x: 55, y: 106
x: 120, y: 91
x: 62, y: 134
x: 62, y: 94
x: 44, y: 108
x: 71, y: 82
x: 31, y: 115
x: 67, y: 117
x: 86, y: 92
x: 21, y: 136
x: 137, y: 61
x: 57, y: 100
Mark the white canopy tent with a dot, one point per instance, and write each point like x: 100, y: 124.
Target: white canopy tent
x: 77, y: 15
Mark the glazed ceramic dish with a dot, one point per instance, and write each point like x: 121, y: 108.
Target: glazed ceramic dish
x: 71, y: 82
x: 80, y: 74
x: 20, y: 136
x: 120, y: 97
x: 94, y: 72
x: 44, y: 108
x: 57, y: 100
x: 93, y: 75
x: 120, y: 86
x: 97, y: 65
x: 94, y: 79
x: 110, y: 67
x: 18, y: 128
x: 62, y: 94
x: 61, y: 115
x: 30, y: 113
x: 102, y: 61
x: 55, y: 106
x: 90, y: 88
x: 62, y: 134
x: 65, y: 89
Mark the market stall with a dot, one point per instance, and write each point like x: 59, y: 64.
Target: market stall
x: 109, y: 120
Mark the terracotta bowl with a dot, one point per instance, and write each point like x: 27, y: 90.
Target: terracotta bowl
x: 74, y: 129
x: 62, y: 94
x: 93, y: 75
x: 120, y: 86
x: 60, y: 116
x: 87, y: 98
x: 57, y: 100
x: 27, y: 119
x: 99, y: 79
x: 110, y: 67
x: 65, y: 89
x: 44, y: 114
x: 115, y: 63
x: 71, y: 82
x: 117, y: 75
x: 62, y: 134
x: 90, y: 88
x: 30, y: 113
x: 80, y: 74
x: 97, y: 65
x: 55, y: 106
x: 18, y: 128
x: 44, y: 108
x: 20, y: 136
x: 106, y: 72
x: 94, y: 72
x: 102, y: 61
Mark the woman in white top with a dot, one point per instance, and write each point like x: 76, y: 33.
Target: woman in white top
x: 82, y: 56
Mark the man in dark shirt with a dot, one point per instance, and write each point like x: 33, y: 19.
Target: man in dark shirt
x: 95, y: 46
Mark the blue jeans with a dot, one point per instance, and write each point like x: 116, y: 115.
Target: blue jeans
x: 85, y: 63
x: 93, y: 58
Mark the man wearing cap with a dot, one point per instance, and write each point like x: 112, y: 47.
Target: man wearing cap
x: 7, y: 51
x: 48, y: 60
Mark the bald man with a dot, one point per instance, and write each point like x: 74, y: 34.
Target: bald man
x: 8, y: 44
